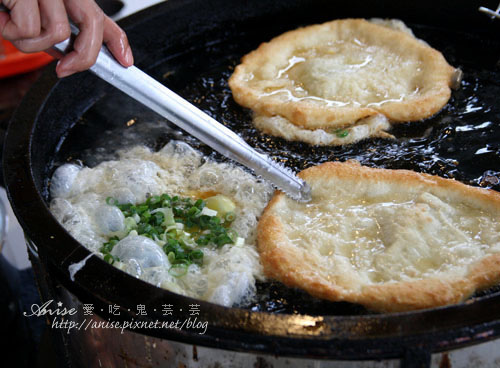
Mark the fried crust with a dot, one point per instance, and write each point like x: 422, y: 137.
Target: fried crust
x: 298, y: 268
x: 256, y: 75
x: 373, y: 126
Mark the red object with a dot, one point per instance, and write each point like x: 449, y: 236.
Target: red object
x: 13, y: 61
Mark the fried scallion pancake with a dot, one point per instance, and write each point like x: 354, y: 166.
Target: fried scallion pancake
x: 373, y: 126
x: 334, y: 75
x: 391, y: 240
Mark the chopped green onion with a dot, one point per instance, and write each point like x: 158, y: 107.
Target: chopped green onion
x: 187, y: 241
x: 178, y: 270
x: 223, y: 239
x: 202, y: 240
x: 145, y: 215
x: 196, y: 256
x: 193, y: 211
x: 232, y: 234
x: 111, y: 201
x: 153, y: 200
x: 109, y: 258
x: 179, y: 225
x: 142, y: 208
x: 341, y: 133
x: 130, y: 223
x: 171, y: 257
x: 158, y: 218
x: 169, y: 217
x: 230, y: 216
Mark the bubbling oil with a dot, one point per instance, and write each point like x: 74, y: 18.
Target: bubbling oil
x: 461, y: 141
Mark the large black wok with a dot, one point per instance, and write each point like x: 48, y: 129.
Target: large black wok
x: 191, y: 46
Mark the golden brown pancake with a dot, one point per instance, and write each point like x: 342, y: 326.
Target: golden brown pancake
x: 333, y: 75
x: 392, y: 240
x: 373, y: 126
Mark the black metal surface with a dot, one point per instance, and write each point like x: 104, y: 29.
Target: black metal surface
x: 193, y: 55
x: 18, y: 345
x: 12, y: 90
x: 416, y: 358
x: 110, y: 7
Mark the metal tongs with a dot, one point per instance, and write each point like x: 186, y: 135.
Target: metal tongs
x: 160, y: 99
x: 493, y: 13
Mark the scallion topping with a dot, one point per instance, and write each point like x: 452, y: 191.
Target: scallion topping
x: 178, y: 270
x: 230, y: 216
x: 111, y: 201
x: 180, y: 225
x: 341, y: 133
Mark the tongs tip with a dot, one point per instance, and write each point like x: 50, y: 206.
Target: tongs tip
x: 303, y: 195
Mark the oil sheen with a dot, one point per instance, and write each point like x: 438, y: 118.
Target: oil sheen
x: 227, y: 275
x: 459, y: 142
x: 398, y: 235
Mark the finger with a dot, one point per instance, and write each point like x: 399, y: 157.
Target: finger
x: 4, y: 18
x: 89, y: 17
x: 23, y: 21
x: 117, y: 42
x: 55, y: 27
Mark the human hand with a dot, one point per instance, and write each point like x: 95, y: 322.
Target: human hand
x: 36, y: 25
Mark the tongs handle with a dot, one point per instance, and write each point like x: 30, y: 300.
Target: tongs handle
x: 160, y: 99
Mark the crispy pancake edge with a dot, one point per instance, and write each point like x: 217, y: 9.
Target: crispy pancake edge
x: 313, y: 116
x: 283, y: 262
x: 279, y: 126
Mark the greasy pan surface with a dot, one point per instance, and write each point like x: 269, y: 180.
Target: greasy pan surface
x: 194, y: 53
